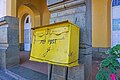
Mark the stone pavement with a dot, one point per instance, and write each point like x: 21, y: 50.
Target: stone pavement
x: 4, y: 76
x: 21, y: 73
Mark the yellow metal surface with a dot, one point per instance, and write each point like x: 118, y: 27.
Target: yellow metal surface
x: 56, y: 44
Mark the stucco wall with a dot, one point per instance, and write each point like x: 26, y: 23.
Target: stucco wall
x: 2, y: 8
x: 101, y: 23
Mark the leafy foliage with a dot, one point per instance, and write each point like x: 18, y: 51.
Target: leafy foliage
x: 110, y: 64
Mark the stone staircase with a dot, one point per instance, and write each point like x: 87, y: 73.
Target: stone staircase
x: 21, y: 73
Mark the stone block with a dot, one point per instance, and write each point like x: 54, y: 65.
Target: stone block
x: 13, y: 36
x: 83, y: 51
x: 12, y: 55
x: 64, y: 18
x: 80, y: 19
x: 59, y: 70
x: 57, y: 77
x: 66, y: 12
x: 87, y: 61
x: 10, y: 20
x: 54, y: 15
x: 72, y: 15
x: 98, y: 53
x: 9, y: 57
x: 85, y: 32
x: 83, y: 37
x: 95, y: 50
x: 50, y: 2
x: 103, y: 49
x: 2, y: 59
x: 3, y: 31
x: 81, y: 9
x: 52, y: 20
x: 99, y: 56
x: 76, y: 73
x: 9, y: 30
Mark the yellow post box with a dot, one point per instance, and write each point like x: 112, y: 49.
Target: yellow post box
x: 56, y: 44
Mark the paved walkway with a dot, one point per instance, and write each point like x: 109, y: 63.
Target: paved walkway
x: 36, y: 66
x: 4, y: 76
x: 21, y: 73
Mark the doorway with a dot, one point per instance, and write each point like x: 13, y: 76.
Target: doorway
x: 29, y: 17
x: 25, y: 55
x: 27, y: 33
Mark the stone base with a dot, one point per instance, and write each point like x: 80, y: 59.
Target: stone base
x: 9, y: 42
x: 12, y: 56
x: 9, y: 57
x: 2, y: 59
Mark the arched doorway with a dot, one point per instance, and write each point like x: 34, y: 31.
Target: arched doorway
x: 27, y: 33
x: 115, y: 22
x: 29, y: 17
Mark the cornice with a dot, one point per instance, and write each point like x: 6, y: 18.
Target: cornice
x: 65, y: 5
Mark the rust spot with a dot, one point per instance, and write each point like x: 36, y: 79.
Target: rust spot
x: 70, y: 54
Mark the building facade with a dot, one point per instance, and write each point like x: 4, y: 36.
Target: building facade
x: 93, y: 17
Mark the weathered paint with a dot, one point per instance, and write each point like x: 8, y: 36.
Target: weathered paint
x: 56, y: 44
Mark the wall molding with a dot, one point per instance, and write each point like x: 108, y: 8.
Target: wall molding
x: 65, y: 5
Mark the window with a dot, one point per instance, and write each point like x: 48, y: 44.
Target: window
x: 27, y: 20
x: 116, y: 2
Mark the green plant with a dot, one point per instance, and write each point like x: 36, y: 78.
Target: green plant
x: 110, y: 65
